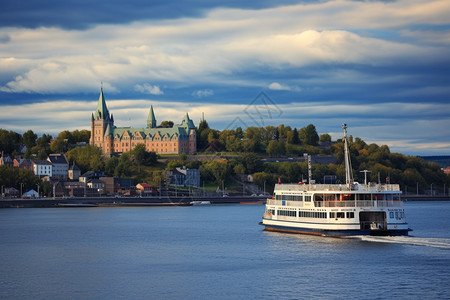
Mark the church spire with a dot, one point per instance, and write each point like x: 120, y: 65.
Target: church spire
x: 102, y: 111
x: 151, y: 120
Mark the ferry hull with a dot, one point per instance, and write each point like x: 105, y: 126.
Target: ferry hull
x: 334, y: 233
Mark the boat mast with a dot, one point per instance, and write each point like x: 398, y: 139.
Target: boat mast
x: 348, y: 163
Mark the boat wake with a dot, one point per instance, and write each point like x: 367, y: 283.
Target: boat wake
x: 408, y: 240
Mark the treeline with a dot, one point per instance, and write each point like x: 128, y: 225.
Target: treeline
x: 270, y: 140
x: 236, y: 152
x: 11, y: 142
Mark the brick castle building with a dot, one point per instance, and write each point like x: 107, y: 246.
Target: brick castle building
x: 110, y: 139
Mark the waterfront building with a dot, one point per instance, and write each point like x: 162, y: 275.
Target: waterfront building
x: 183, y: 177
x: 74, y: 172
x: 60, y: 165
x: 181, y: 138
x: 42, y: 167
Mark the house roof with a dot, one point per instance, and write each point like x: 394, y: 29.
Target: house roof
x: 41, y: 162
x: 74, y: 167
x: 57, y: 159
x: 144, y: 185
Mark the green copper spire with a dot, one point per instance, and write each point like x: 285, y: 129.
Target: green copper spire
x: 108, y: 131
x: 151, y: 120
x: 101, y: 111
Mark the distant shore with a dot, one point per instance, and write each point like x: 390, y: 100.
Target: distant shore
x: 126, y: 201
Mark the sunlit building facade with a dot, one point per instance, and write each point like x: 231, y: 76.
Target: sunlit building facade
x: 180, y: 138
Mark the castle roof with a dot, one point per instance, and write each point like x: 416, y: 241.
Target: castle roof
x: 102, y: 111
x: 151, y: 120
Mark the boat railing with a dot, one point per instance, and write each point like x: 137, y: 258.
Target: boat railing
x: 359, y: 203
x: 371, y: 187
x: 337, y: 203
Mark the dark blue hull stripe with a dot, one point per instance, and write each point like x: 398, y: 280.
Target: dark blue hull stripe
x: 327, y: 232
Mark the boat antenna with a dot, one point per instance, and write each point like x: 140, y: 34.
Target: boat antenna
x: 308, y: 160
x: 348, y: 163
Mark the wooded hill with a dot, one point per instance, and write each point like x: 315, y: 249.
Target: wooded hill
x: 225, y: 155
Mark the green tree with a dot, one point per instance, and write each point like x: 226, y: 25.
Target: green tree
x: 252, y: 163
x: 308, y: 135
x: 111, y: 165
x: 216, y: 170
x: 166, y: 124
x: 87, y: 158
x: 29, y: 139
x: 325, y: 137
x: 9, y: 141
x: 80, y: 136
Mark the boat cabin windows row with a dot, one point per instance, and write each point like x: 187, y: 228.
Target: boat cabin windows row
x: 302, y: 214
x: 397, y: 215
x: 289, y: 197
x: 342, y: 215
x: 307, y: 198
x: 312, y: 214
x: 287, y: 213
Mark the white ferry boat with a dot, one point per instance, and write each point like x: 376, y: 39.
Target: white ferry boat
x: 337, y: 209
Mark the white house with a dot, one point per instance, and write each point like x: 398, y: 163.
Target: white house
x: 60, y: 165
x: 42, y: 168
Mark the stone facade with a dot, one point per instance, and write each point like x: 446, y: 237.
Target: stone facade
x: 181, y: 138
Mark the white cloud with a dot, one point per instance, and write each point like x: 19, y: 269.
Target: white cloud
x: 275, y: 86
x: 147, y: 88
x: 278, y: 87
x: 203, y: 93
x: 211, y: 49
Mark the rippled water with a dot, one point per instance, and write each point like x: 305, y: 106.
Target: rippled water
x: 213, y: 252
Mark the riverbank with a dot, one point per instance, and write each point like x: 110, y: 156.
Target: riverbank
x: 126, y: 201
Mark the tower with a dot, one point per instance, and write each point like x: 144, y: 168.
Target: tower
x: 102, y: 124
x: 151, y: 120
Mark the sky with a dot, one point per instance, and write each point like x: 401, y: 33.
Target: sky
x: 381, y: 67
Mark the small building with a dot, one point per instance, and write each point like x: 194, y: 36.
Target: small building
x: 183, y: 177
x: 31, y: 194
x: 22, y: 163
x: 60, y: 165
x: 145, y: 189
x: 42, y: 167
x: 91, y: 175
x: 96, y: 184
x: 11, y: 192
x: 446, y: 170
x: 74, y: 172
x: 6, y: 160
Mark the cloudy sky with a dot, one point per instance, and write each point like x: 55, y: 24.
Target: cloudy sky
x: 382, y: 67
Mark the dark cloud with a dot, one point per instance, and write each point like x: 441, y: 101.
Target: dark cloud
x: 80, y: 14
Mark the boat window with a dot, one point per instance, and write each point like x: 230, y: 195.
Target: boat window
x: 332, y: 215
x: 391, y: 214
x: 291, y: 197
x: 340, y: 215
x: 350, y: 215
x: 396, y: 215
x: 288, y: 213
x: 312, y: 214
x: 307, y: 198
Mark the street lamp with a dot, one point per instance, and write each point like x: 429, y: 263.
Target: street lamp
x: 21, y: 185
x: 38, y: 188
